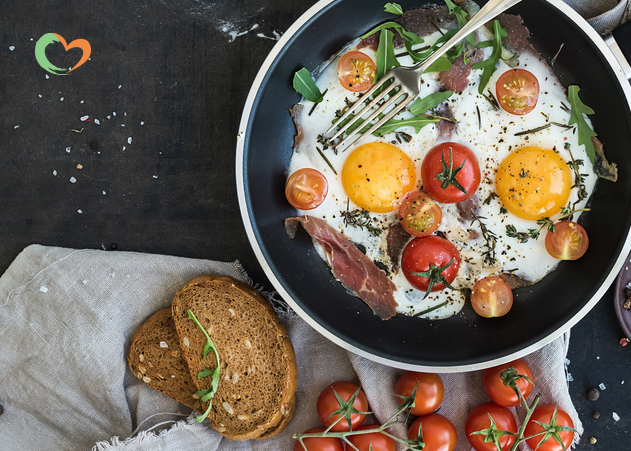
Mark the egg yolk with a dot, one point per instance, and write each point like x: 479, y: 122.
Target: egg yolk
x: 534, y: 183
x: 377, y: 175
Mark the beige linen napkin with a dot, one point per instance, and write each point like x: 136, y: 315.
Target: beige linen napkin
x: 66, y: 321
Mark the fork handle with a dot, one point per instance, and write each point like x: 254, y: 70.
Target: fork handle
x: 486, y: 13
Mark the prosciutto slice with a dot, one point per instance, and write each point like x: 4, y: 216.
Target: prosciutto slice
x: 350, y: 266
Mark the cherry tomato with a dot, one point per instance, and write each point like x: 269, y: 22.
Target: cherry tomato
x: 327, y: 404
x: 450, y: 173
x: 517, y: 91
x: 491, y: 297
x: 438, y: 433
x: 419, y: 215
x: 306, y: 189
x: 319, y: 443
x: 569, y: 241
x: 377, y: 440
x: 429, y: 391
x: 478, y: 419
x: 356, y: 71
x: 544, y: 414
x: 428, y: 255
x: 496, y: 388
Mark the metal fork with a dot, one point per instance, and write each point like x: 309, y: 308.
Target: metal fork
x: 406, y: 81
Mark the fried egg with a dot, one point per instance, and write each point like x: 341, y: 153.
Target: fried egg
x: 525, y: 177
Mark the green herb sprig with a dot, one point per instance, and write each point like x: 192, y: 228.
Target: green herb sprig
x: 490, y: 238
x: 488, y: 65
x: 585, y: 132
x: 543, y: 223
x: 305, y: 86
x: 361, y: 219
x: 206, y: 395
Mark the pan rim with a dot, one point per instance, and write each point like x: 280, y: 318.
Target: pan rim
x: 248, y: 110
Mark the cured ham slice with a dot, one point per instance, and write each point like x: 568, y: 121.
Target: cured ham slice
x: 350, y: 266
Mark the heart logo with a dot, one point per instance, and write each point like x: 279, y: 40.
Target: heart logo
x: 50, y: 38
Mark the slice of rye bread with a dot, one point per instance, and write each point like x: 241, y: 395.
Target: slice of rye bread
x: 258, y: 371
x: 156, y: 359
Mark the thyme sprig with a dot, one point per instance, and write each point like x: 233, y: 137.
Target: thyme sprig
x: 206, y: 395
x: 490, y: 238
x: 543, y: 223
x: 579, y: 179
x: 360, y: 218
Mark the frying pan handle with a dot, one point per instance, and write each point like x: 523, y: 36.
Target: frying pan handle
x: 620, y: 44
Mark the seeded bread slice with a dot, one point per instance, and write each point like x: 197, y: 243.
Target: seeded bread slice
x: 155, y: 358
x: 258, y: 371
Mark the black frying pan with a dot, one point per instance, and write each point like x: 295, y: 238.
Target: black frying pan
x: 541, y: 312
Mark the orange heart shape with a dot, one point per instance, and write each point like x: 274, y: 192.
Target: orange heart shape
x: 80, y: 44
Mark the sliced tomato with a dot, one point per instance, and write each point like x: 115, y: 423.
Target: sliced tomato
x: 306, y: 189
x: 429, y: 391
x: 450, y: 172
x: 419, y: 215
x: 569, y: 241
x: 559, y: 424
x: 430, y: 263
x: 371, y: 441
x: 491, y: 297
x: 517, y: 91
x: 435, y: 431
x: 478, y: 420
x: 328, y: 406
x: 502, y: 381
x: 356, y: 71
x: 319, y: 443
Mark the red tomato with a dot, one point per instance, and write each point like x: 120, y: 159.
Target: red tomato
x: 306, y: 189
x: 569, y: 241
x: 419, y: 215
x: 430, y: 255
x: 327, y: 404
x: 438, y: 433
x: 429, y: 391
x: 450, y: 173
x: 491, y: 297
x: 545, y: 414
x: 496, y: 387
x: 356, y: 71
x: 517, y: 91
x: 478, y: 419
x: 377, y: 440
x: 319, y: 443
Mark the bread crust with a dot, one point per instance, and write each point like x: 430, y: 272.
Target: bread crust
x: 258, y: 373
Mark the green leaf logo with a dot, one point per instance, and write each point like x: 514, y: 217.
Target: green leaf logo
x: 50, y: 38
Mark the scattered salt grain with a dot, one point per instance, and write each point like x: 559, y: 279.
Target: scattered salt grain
x: 601, y: 386
x: 39, y: 95
x: 17, y: 126
x: 122, y: 125
x: 142, y: 122
x: 73, y: 180
x: 67, y: 149
x: 615, y: 416
x: 47, y: 77
x: 43, y: 289
x: 104, y: 193
x: 113, y: 113
x: 84, y: 282
x: 124, y: 147
x: 97, y: 122
x: 84, y: 118
x: 569, y: 377
x: 567, y: 361
x: 54, y: 172
x: 113, y: 274
x: 163, y: 344
x: 11, y: 47
x: 79, y: 211
x: 597, y: 357
x: 120, y: 86
x: 125, y: 114
x: 81, y: 101
x: 109, y: 117
x: 622, y: 383
x: 155, y: 176
x: 61, y: 100
x: 129, y: 140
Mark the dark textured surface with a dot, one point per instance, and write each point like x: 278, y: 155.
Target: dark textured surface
x: 177, y: 80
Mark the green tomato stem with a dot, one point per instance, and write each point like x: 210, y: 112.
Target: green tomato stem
x: 529, y: 410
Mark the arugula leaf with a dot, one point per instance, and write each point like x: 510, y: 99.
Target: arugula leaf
x: 429, y: 102
x: 304, y: 85
x: 418, y: 122
x: 462, y: 18
x: 585, y: 132
x: 489, y: 64
x: 385, y: 56
x: 407, y: 36
x: 206, y: 394
x: 204, y: 373
x: 440, y: 65
x: 393, y: 8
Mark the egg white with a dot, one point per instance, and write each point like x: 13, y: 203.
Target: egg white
x: 491, y: 137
